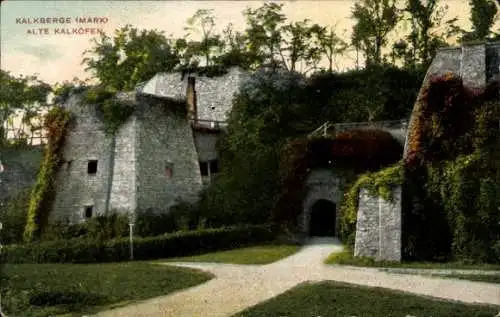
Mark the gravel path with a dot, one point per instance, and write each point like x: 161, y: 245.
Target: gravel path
x: 237, y: 287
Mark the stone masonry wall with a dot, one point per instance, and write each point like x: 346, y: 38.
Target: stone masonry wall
x: 75, y: 188
x: 206, y: 145
x: 165, y: 139
x: 378, y: 227
x: 123, y: 188
x: 21, y: 169
x: 473, y: 69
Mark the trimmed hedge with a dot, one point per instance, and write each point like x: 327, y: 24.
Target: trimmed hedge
x: 116, y: 250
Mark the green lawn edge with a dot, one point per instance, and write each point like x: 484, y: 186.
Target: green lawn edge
x: 98, y: 287
x: 330, y: 298
x: 346, y: 258
x: 255, y: 255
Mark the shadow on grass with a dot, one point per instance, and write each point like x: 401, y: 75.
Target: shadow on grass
x: 340, y: 299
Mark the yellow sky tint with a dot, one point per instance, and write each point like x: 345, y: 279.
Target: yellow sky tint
x: 57, y: 57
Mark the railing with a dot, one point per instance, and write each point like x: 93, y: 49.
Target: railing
x: 208, y: 124
x: 34, y: 138
x: 327, y: 127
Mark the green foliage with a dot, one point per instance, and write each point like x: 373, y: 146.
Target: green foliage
x: 378, y: 184
x: 114, y: 113
x: 427, y: 33
x: 482, y: 16
x: 164, y: 246
x: 55, y: 122
x: 275, y: 108
x: 23, y: 93
x: 348, y: 154
x: 374, y: 20
x: 453, y: 180
x: 180, y: 217
x: 99, y: 228
x: 13, y: 215
x: 129, y: 57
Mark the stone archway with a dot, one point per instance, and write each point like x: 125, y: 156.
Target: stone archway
x: 323, y: 217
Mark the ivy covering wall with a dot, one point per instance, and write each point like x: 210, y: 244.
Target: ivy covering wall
x: 349, y: 154
x: 56, y: 122
x: 114, y: 113
x: 452, y: 181
x: 379, y: 184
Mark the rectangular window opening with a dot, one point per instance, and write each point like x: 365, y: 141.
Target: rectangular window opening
x: 204, y: 168
x: 214, y: 166
x: 169, y: 170
x: 89, y: 211
x: 68, y: 166
x: 92, y: 167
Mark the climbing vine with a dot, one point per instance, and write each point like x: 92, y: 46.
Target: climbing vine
x: 55, y: 123
x: 378, y: 184
x: 114, y: 113
x: 353, y: 152
x: 453, y: 173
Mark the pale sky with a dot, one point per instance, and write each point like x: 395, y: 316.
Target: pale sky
x: 56, y: 57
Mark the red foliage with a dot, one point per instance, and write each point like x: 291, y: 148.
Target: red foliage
x: 443, y: 114
x: 356, y: 150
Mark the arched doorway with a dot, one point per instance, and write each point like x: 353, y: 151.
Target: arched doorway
x: 323, y: 216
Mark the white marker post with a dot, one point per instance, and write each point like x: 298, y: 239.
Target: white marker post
x: 131, y: 231
x: 2, y: 314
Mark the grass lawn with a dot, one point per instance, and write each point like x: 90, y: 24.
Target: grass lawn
x: 31, y: 290
x: 338, y: 299
x: 490, y: 278
x: 346, y: 258
x: 252, y: 255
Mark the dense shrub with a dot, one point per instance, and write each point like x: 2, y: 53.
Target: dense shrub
x: 180, y: 217
x: 349, y: 154
x: 151, y: 222
x: 101, y: 227
x: 273, y: 108
x: 452, y: 185
x: 13, y: 217
x: 164, y: 246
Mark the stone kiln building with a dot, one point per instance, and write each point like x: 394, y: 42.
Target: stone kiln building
x: 157, y: 157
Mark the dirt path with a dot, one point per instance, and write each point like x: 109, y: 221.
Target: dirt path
x: 237, y: 287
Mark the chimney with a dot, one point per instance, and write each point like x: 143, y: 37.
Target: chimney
x: 191, y: 99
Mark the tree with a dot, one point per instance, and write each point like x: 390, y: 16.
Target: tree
x: 329, y: 45
x: 130, y: 57
x: 203, y: 23
x: 297, y: 38
x: 263, y: 33
x: 234, y: 46
x: 374, y: 20
x: 425, y: 18
x: 24, y: 95
x: 482, y: 16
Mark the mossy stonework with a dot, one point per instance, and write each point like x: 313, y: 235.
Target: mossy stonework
x: 135, y: 151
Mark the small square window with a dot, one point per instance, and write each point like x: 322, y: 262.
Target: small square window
x: 204, y: 168
x: 92, y: 167
x: 89, y: 210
